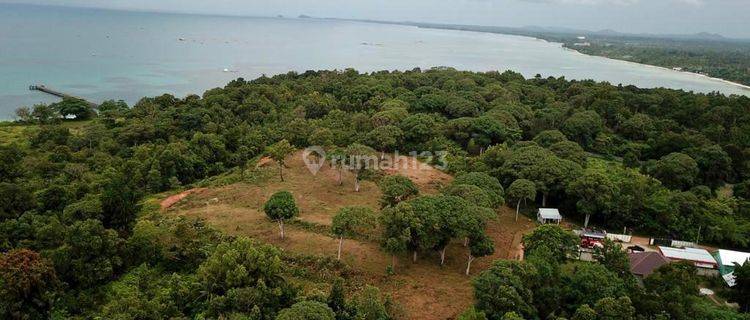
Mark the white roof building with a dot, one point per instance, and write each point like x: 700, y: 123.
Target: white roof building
x: 729, y: 258
x: 699, y: 257
x: 549, y: 215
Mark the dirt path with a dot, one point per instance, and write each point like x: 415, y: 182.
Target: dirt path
x: 172, y: 200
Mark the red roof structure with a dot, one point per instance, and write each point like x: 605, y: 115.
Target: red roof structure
x: 644, y: 263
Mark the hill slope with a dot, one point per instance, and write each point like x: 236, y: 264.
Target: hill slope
x: 423, y: 289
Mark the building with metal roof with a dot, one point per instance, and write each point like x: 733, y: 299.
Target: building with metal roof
x: 643, y: 264
x: 727, y: 259
x: 703, y: 260
x: 548, y: 215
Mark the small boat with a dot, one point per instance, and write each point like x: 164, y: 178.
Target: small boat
x: 226, y: 70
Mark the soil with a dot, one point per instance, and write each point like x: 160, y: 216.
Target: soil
x: 423, y: 289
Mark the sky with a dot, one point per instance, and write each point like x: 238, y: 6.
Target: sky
x: 730, y: 18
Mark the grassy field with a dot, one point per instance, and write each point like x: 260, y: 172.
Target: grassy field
x: 17, y: 133
x: 423, y: 289
x: 10, y: 133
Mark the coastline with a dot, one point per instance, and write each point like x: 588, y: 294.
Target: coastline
x: 562, y: 45
x: 496, y: 50
x: 736, y: 84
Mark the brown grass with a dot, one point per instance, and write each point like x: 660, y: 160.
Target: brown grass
x: 424, y: 289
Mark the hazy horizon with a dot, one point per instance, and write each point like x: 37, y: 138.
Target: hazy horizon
x: 729, y: 18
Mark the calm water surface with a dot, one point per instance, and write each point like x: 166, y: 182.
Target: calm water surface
x: 100, y: 54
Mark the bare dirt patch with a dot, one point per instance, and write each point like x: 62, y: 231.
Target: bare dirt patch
x: 171, y: 200
x: 424, y: 289
x: 427, y: 178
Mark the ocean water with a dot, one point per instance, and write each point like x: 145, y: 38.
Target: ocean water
x: 100, y: 54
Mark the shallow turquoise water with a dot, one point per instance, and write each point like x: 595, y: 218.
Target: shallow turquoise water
x: 102, y: 54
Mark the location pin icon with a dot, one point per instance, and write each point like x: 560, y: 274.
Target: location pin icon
x: 314, y: 158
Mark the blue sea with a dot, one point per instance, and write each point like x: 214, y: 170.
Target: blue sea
x: 103, y: 54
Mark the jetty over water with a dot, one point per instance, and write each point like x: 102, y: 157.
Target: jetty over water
x: 45, y: 89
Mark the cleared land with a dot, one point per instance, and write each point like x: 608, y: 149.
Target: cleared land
x: 424, y: 289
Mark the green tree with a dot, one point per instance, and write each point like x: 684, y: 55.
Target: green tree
x: 78, y: 108
x: 472, y: 314
x: 569, y: 150
x: 322, y: 137
x: 548, y: 172
x: 337, y: 300
x: 145, y: 293
x: 675, y: 170
x: 395, y: 189
x: 44, y: 114
x: 119, y: 200
x: 511, y: 316
x: 112, y: 108
x: 278, y: 152
x: 385, y: 138
x: 398, y: 223
x: 419, y: 128
x: 521, y: 190
x: 472, y: 194
x: 23, y: 114
x: 360, y: 158
x: 479, y: 246
x: 89, y: 256
x: 28, y: 285
x: 242, y: 276
x: 741, y: 289
x: 443, y: 218
x: 584, y: 312
x: 637, y: 127
x: 673, y: 287
x: 583, y: 126
x: 561, y: 243
x: 281, y: 206
x: 594, y: 191
x: 488, y: 183
x: 11, y: 157
x: 742, y: 190
x: 14, y: 200
x: 610, y: 308
x: 630, y: 160
x: 389, y: 116
x: 317, y: 105
x: 611, y: 255
x: 369, y: 305
x: 307, y: 310
x: 350, y: 222
x: 504, y: 287
x: 587, y: 283
x: 548, y: 138
x: 714, y: 164
x: 680, y: 276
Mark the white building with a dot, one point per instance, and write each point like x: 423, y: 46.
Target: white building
x: 728, y: 258
x: 700, y: 258
x: 548, y: 215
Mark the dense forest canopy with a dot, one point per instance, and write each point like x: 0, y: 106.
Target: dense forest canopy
x: 660, y: 162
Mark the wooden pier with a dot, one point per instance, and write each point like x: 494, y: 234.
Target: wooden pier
x: 45, y: 89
